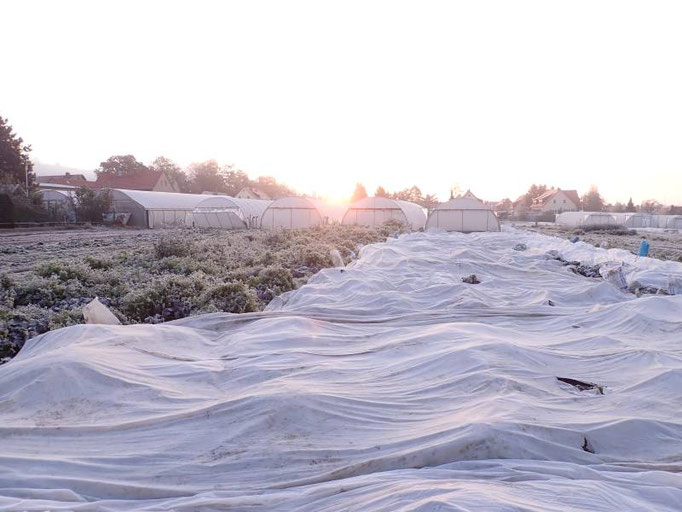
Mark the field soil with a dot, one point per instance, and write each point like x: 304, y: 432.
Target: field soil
x: 22, y: 250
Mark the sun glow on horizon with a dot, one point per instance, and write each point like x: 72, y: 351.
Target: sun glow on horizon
x: 332, y: 199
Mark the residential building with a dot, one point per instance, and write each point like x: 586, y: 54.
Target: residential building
x: 154, y: 181
x: 557, y: 201
x: 253, y: 193
x: 68, y: 179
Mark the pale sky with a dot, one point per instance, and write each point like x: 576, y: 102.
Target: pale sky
x: 486, y: 95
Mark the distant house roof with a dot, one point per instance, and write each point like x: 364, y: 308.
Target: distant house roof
x: 469, y: 195
x: 504, y: 205
x: 60, y: 178
x: 253, y: 192
x: 72, y: 180
x: 542, y: 199
x: 144, y: 180
x: 573, y: 196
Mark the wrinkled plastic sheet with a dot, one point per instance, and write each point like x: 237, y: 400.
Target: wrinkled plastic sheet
x: 388, y: 386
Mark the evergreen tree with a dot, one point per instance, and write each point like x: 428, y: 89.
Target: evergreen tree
x: 592, y: 201
x: 15, y: 164
x: 359, y: 192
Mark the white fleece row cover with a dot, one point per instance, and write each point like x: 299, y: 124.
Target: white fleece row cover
x: 387, y: 386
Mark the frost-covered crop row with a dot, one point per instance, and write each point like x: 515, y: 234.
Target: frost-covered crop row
x: 174, y: 275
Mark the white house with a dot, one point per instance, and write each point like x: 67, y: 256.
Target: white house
x: 557, y: 201
x: 253, y: 193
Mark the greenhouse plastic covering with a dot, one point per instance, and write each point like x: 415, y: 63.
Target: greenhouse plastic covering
x: 374, y: 211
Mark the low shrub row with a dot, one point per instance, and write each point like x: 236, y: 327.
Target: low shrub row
x: 171, y: 275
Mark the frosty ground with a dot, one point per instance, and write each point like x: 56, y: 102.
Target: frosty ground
x: 151, y: 276
x: 386, y: 386
x: 665, y: 244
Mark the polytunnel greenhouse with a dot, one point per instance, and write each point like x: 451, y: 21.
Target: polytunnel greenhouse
x: 226, y: 212
x: 668, y: 221
x: 147, y: 209
x: 581, y: 219
x: 299, y: 212
x: 375, y: 211
x: 463, y: 214
x: 634, y: 220
x: 59, y: 204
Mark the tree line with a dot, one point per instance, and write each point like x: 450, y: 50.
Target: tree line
x: 19, y: 200
x: 412, y: 194
x: 591, y: 201
x: 208, y: 176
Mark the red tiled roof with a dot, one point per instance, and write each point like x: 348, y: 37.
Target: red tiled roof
x: 145, y: 180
